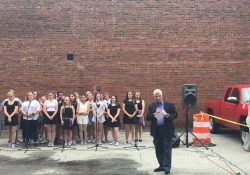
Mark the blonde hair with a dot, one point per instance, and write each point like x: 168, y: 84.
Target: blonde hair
x: 87, y: 93
x: 106, y: 93
x: 69, y: 101
x: 11, y: 92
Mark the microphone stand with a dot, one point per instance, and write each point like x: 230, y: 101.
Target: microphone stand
x: 27, y: 147
x: 135, y: 145
x: 97, y: 129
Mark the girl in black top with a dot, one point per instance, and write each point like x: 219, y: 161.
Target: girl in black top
x: 129, y: 119
x: 141, y: 108
x: 113, y: 121
x: 74, y: 131
x: 67, y: 116
x: 11, y: 117
x: 60, y: 100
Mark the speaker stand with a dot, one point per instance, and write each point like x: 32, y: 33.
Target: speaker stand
x: 188, y: 131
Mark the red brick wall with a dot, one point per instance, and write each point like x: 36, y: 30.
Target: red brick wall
x: 125, y: 44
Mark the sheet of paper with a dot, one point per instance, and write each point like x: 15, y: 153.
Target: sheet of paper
x: 161, y: 114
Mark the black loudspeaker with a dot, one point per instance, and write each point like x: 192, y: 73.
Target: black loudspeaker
x: 189, y: 96
x: 70, y: 57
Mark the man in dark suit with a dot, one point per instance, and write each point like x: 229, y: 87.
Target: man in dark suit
x: 162, y: 130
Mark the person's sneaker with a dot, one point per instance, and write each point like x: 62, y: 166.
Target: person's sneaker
x: 126, y: 142
x: 136, y: 139
x: 13, y: 145
x: 93, y: 141
x: 117, y: 143
x: 103, y: 139
x: 73, y: 142
x: 69, y: 143
x: 81, y: 143
x: 17, y: 141
x: 35, y: 144
x: 42, y: 140
x: 140, y: 140
x: 99, y: 143
x: 65, y: 144
x: 85, y: 142
x: 32, y: 141
x: 9, y: 144
x: 133, y: 142
x: 113, y: 143
x: 52, y: 144
x: 89, y: 140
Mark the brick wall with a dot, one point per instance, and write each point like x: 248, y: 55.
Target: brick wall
x: 125, y: 44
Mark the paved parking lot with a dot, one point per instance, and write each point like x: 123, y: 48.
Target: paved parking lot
x: 227, y: 157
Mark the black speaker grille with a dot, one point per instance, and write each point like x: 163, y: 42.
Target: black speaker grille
x: 190, y: 100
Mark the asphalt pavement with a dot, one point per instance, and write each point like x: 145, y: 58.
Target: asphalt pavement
x: 224, y: 156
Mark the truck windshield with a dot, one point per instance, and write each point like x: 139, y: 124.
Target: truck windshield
x: 246, y: 94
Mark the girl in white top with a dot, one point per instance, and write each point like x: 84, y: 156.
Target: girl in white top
x: 106, y: 101
x: 82, y: 118
x: 90, y: 127
x: 98, y: 118
x: 50, y: 109
x: 30, y: 110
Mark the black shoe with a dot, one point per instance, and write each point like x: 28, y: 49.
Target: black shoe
x: 167, y: 171
x: 136, y: 139
x: 158, y: 169
x: 140, y: 140
x: 27, y: 145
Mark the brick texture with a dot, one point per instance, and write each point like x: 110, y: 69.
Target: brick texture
x: 125, y: 44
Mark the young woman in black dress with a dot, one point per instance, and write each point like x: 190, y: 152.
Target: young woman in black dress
x: 74, y: 131
x: 67, y: 116
x: 11, y: 117
x: 113, y: 121
x: 141, y: 108
x: 129, y: 119
x: 60, y: 100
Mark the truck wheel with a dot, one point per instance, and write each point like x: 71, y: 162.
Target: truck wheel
x: 214, y: 127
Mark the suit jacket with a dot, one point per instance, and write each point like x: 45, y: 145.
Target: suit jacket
x: 168, y: 122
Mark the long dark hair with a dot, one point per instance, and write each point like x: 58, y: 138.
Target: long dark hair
x: 96, y: 95
x: 126, y: 99
x: 36, y: 94
x: 116, y: 99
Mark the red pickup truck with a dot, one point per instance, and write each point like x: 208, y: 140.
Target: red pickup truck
x: 232, y: 105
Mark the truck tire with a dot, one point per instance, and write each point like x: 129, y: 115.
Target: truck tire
x: 214, y: 127
x: 244, y: 131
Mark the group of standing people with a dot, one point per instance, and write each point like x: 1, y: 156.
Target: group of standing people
x: 87, y: 116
